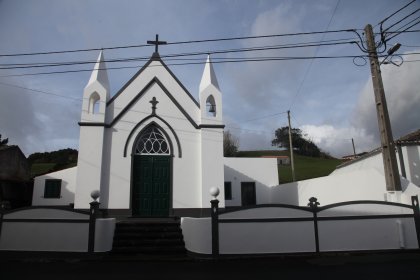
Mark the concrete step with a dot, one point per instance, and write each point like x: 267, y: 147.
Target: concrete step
x: 162, y: 237
x: 149, y: 242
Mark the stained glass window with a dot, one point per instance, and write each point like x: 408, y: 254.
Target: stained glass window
x: 152, y: 141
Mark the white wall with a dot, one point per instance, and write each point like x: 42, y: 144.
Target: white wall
x: 68, y: 188
x: 354, y: 235
x: 258, y: 237
x: 186, y: 181
x: 104, y: 234
x: 364, y: 184
x: 89, y: 163
x: 262, y: 171
x: 25, y: 236
x: 372, y: 234
x: 212, y: 171
x: 411, y: 157
x: 39, y: 235
x: 263, y: 237
x: 412, y: 163
x: 197, y: 234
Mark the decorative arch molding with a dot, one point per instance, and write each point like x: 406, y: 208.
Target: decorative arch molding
x: 145, y: 129
x: 143, y: 121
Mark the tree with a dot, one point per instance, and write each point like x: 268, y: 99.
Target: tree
x: 230, y: 144
x: 301, y: 145
x: 3, y: 142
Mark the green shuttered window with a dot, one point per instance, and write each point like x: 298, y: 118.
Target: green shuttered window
x: 52, y: 188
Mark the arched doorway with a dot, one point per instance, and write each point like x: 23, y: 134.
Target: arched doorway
x: 151, y: 173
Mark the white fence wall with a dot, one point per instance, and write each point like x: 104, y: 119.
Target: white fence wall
x: 197, y: 234
x: 287, y: 229
x: 43, y: 229
x: 378, y: 234
x: 264, y: 238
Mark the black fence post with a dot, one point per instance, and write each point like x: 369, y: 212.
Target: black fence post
x: 2, y: 208
x: 215, y: 228
x: 94, y: 208
x: 313, y: 204
x: 415, y: 204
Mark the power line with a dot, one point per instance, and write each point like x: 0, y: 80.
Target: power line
x: 312, y: 60
x: 394, y: 13
x: 228, y: 60
x: 407, y: 31
x: 398, y: 33
x: 265, y: 117
x: 41, y: 91
x: 173, y: 56
x: 389, y: 27
x: 251, y: 130
x: 180, y: 42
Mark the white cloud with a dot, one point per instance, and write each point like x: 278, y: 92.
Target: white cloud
x: 337, y: 140
x: 403, y: 100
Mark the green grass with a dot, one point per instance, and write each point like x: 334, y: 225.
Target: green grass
x: 41, y: 168
x: 305, y: 167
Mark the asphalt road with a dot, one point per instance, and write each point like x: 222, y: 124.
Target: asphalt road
x: 373, y: 266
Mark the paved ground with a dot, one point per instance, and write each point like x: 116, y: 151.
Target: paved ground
x: 363, y: 266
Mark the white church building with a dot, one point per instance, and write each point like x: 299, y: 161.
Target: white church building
x: 153, y: 150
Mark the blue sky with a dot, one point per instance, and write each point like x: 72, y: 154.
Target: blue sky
x: 330, y: 100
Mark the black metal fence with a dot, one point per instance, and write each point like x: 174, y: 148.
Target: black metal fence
x: 314, y: 208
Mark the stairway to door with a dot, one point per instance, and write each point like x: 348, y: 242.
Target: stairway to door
x: 158, y: 238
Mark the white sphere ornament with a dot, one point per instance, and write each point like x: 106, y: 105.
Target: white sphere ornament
x: 214, y: 192
x: 95, y: 194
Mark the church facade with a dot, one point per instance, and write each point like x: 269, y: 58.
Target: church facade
x: 153, y: 150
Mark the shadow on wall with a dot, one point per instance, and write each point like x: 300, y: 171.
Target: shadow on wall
x: 106, y: 169
x: 286, y: 193
x: 263, y: 191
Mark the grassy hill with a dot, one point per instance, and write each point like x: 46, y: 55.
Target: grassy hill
x: 305, y: 167
x: 42, y: 163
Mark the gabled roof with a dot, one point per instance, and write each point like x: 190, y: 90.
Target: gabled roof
x: 155, y: 57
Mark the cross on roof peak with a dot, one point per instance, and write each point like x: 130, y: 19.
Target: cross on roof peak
x: 156, y: 43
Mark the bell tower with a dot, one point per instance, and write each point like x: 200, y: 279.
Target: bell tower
x: 92, y: 130
x: 211, y: 135
x: 210, y: 96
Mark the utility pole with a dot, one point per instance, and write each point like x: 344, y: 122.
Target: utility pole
x: 354, y: 149
x: 392, y: 177
x: 291, y: 148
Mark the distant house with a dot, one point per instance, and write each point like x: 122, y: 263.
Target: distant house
x: 15, y: 179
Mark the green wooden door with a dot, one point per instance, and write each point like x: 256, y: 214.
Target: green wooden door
x: 151, y: 178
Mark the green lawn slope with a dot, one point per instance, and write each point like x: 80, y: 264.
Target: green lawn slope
x: 305, y: 167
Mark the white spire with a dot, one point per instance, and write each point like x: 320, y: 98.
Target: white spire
x: 209, y: 77
x: 99, y: 73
